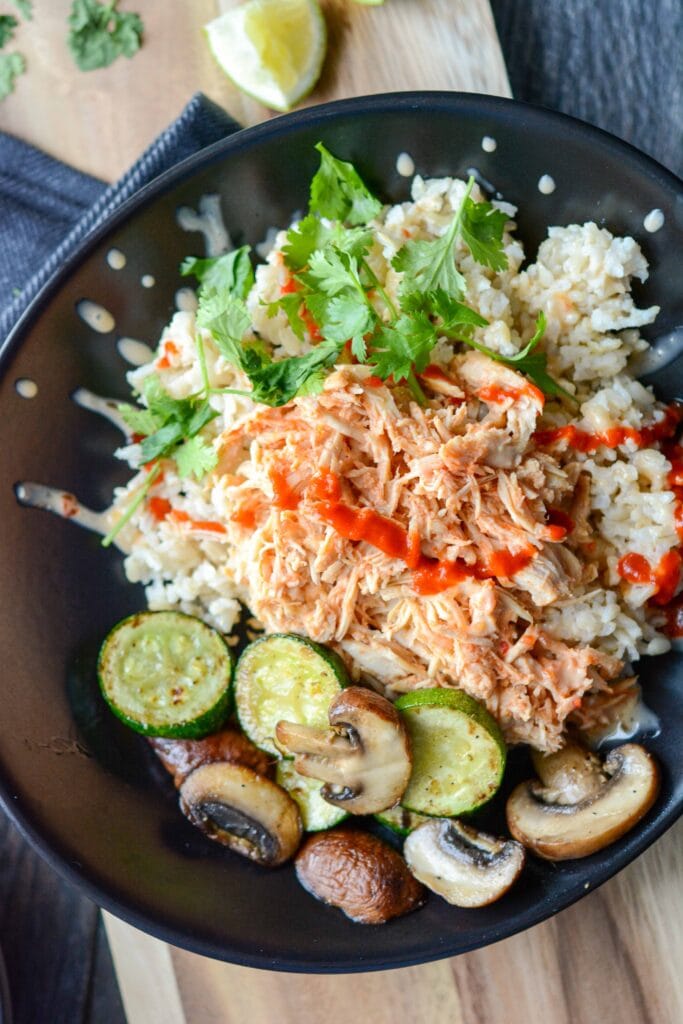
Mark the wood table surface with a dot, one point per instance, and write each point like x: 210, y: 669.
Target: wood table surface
x: 614, y: 957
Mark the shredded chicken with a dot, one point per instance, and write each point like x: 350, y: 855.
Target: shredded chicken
x: 463, y: 479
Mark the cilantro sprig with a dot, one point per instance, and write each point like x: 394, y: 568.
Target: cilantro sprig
x: 328, y: 256
x: 99, y: 33
x: 8, y: 24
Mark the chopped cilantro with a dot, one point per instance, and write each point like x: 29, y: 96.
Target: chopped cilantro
x: 333, y: 284
x: 99, y: 33
x: 169, y: 428
x: 25, y: 8
x: 339, y: 193
x: 195, y: 458
x: 11, y: 66
x: 8, y: 23
x: 231, y: 273
x: 428, y: 265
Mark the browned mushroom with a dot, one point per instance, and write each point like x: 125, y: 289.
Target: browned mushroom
x: 180, y: 757
x: 245, y: 811
x: 466, y: 867
x: 359, y: 874
x: 364, y: 760
x: 579, y: 805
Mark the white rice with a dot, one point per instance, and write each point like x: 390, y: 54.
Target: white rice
x: 581, y: 280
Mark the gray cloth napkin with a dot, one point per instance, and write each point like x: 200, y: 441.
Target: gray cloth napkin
x: 48, y: 208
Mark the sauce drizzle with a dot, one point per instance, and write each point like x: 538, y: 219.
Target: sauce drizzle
x: 430, y: 575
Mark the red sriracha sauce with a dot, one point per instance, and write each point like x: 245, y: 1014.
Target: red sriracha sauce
x: 284, y: 496
x: 430, y: 575
x: 584, y: 441
x: 666, y: 575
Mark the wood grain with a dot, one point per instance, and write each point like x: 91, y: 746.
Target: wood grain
x: 614, y: 957
x: 100, y: 121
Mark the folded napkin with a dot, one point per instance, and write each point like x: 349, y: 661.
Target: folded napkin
x: 48, y: 208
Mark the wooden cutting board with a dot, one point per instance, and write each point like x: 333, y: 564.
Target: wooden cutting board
x: 100, y: 121
x: 614, y: 957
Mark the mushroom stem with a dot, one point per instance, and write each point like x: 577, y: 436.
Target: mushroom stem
x: 364, y: 759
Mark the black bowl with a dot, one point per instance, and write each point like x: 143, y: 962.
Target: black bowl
x: 5, y: 1007
x: 84, y: 790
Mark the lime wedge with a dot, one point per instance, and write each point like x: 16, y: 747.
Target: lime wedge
x: 272, y: 50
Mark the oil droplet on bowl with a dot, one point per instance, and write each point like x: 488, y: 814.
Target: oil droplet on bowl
x: 186, y: 300
x: 135, y: 352
x: 95, y: 316
x: 405, y: 165
x: 489, y: 144
x: 116, y: 259
x: 25, y: 387
x: 147, y: 281
x: 654, y: 221
x: 546, y: 184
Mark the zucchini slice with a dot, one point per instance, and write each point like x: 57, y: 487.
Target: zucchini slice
x: 166, y: 674
x: 285, y: 676
x: 458, y: 752
x: 316, y: 813
x: 400, y: 820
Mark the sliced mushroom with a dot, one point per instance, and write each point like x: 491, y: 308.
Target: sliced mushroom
x: 180, y: 757
x: 466, y: 867
x: 358, y: 873
x: 243, y: 810
x: 364, y: 760
x: 579, y: 805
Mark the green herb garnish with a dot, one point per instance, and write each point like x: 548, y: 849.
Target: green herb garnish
x: 99, y: 33
x: 8, y: 23
x: 232, y: 273
x: 333, y: 283
x: 25, y: 8
x: 11, y: 66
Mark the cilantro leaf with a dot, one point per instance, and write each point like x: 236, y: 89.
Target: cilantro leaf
x: 8, y: 23
x: 430, y: 265
x: 231, y: 273
x: 310, y: 234
x: 291, y: 304
x: 332, y: 271
x: 278, y: 382
x: 25, y: 8
x: 455, y: 316
x: 313, y: 384
x: 339, y: 193
x: 348, y: 318
x: 195, y: 458
x: 162, y: 441
x: 99, y: 33
x: 534, y: 364
x: 227, y: 318
x: 166, y: 421
x: 11, y: 66
x: 140, y: 421
x: 403, y: 348
x: 481, y: 229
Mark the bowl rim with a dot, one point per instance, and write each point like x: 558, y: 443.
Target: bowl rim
x: 471, y: 106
